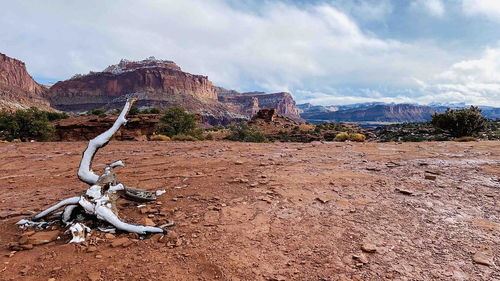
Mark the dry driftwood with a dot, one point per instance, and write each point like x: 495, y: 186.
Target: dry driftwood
x: 99, y: 199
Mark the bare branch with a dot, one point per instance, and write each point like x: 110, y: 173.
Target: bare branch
x: 85, y: 173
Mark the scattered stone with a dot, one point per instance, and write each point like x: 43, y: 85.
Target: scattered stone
x: 51, y: 279
x: 361, y: 258
x: 322, y: 200
x: 91, y: 249
x: 369, y: 248
x: 148, y: 222
x: 43, y: 237
x: 122, y: 241
x: 98, y: 256
x: 430, y: 177
x: 373, y: 169
x: 482, y: 258
x: 404, y: 191
x: 109, y: 236
x: 94, y: 276
x: 238, y: 162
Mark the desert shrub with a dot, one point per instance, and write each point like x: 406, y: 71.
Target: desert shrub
x: 245, y: 133
x: 342, y: 136
x: 357, y: 137
x: 97, y: 112
x: 182, y: 137
x: 460, y: 122
x: 176, y: 121
x: 134, y: 110
x: 209, y: 136
x: 160, y: 138
x: 465, y: 139
x: 152, y: 110
x: 25, y: 125
x: 53, y: 116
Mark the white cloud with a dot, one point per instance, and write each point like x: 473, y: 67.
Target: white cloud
x: 474, y: 81
x: 489, y: 8
x: 275, y: 47
x: 433, y: 7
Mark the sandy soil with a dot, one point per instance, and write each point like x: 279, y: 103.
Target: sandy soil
x: 269, y: 211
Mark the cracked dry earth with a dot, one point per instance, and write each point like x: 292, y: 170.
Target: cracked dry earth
x: 320, y: 211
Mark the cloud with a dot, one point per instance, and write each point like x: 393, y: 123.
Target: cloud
x: 475, y: 81
x: 274, y: 46
x: 433, y: 7
x: 489, y: 8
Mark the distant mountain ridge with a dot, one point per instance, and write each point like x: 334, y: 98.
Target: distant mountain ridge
x: 380, y: 112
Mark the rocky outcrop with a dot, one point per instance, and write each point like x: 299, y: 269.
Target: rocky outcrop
x: 84, y: 128
x: 18, y: 90
x: 156, y: 83
x: 251, y: 102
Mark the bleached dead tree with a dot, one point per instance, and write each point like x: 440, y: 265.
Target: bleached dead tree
x: 100, y: 198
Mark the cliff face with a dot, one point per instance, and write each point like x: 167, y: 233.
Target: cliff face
x: 375, y: 112
x: 17, y: 88
x: 250, y: 103
x: 154, y: 82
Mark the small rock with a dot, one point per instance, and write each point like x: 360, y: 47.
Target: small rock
x: 91, y: 249
x: 98, y: 256
x: 430, y: 177
x: 322, y: 199
x: 148, y: 222
x: 369, y: 248
x: 94, y: 276
x: 51, y: 279
x: 120, y: 242
x: 238, y: 162
x: 361, y: 258
x: 404, y: 191
x: 482, y: 258
x: 109, y: 236
x: 43, y: 237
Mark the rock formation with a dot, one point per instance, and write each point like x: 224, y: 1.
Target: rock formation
x: 83, y: 128
x: 18, y: 90
x: 156, y: 83
x: 251, y: 102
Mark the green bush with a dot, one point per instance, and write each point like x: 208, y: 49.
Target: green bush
x: 53, y: 116
x: 26, y: 125
x: 154, y: 110
x: 460, y: 122
x: 97, y: 112
x: 245, y: 133
x: 176, y: 121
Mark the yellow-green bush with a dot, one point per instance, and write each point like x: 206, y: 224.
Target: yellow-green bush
x: 160, y: 138
x: 357, y: 137
x: 342, y: 136
x: 184, y: 138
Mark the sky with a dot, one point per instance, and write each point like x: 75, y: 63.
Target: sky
x: 323, y: 52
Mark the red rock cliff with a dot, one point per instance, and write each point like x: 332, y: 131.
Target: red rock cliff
x: 17, y: 87
x: 250, y: 103
x: 154, y: 82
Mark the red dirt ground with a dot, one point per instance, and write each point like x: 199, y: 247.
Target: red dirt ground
x: 269, y: 211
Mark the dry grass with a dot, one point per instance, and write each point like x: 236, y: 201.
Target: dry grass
x: 160, y: 138
x: 465, y: 139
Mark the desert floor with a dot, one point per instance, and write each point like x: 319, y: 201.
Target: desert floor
x: 279, y: 211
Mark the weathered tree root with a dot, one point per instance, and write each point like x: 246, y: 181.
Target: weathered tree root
x: 99, y: 199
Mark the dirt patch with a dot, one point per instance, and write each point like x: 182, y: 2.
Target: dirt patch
x: 267, y: 211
